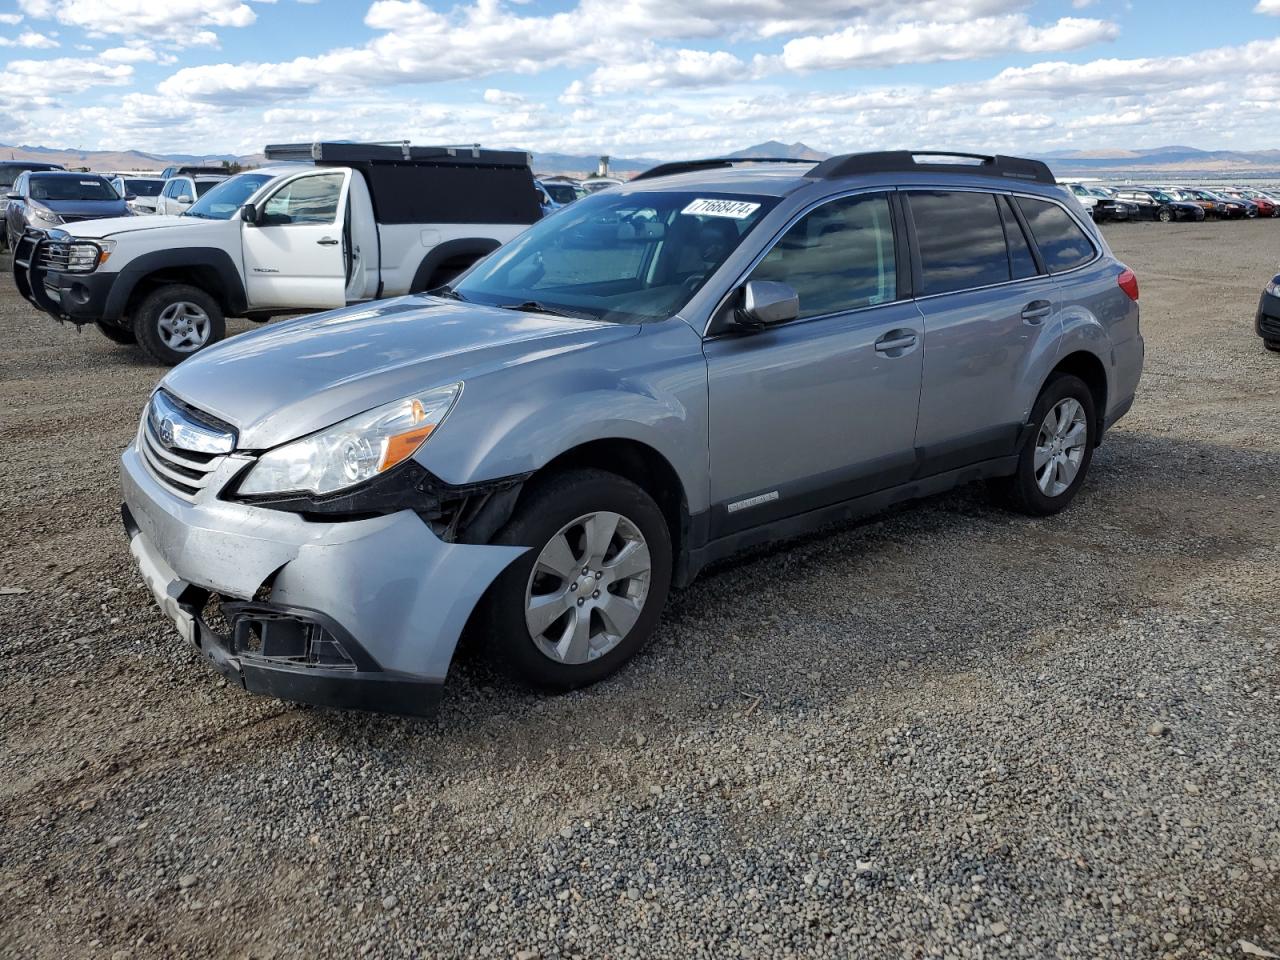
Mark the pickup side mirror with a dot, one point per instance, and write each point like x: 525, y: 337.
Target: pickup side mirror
x: 249, y: 214
x: 186, y: 198
x: 765, y: 303
x: 13, y: 196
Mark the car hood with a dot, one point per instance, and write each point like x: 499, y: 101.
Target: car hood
x: 299, y: 376
x: 85, y: 208
x: 118, y: 225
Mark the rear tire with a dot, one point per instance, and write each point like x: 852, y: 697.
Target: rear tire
x: 1056, y: 457
x: 116, y: 333
x: 1165, y: 215
x: 1272, y: 345
x: 176, y: 321
x: 588, y: 624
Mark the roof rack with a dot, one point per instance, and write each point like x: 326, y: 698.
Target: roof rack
x: 399, y: 151
x: 193, y: 169
x: 691, y: 166
x: 904, y: 161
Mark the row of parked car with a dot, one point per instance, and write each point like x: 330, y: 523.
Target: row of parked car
x: 1173, y: 204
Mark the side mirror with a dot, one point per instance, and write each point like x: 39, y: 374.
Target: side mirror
x: 767, y: 302
x: 249, y: 214
x: 130, y: 197
x: 13, y: 196
x: 186, y: 198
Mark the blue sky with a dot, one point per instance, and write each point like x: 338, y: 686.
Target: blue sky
x: 652, y: 78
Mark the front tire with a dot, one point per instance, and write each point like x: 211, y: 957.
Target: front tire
x: 1272, y: 345
x: 1055, y: 460
x: 1165, y: 215
x: 116, y: 333
x: 177, y: 320
x: 590, y: 590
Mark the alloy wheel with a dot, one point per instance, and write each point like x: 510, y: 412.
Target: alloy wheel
x: 1060, y: 447
x: 184, y: 326
x: 588, y: 587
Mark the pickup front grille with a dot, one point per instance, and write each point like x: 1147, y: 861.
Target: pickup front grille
x: 53, y: 256
x: 182, y: 472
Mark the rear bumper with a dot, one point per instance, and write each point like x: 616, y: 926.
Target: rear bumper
x: 76, y: 297
x: 363, y: 613
x: 1267, y: 321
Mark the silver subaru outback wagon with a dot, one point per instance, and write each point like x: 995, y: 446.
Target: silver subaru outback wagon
x: 714, y: 355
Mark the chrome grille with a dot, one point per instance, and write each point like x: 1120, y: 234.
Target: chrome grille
x: 183, y: 472
x: 53, y: 256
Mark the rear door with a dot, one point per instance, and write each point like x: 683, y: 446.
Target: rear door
x: 989, y: 314
x: 293, y: 256
x: 821, y: 409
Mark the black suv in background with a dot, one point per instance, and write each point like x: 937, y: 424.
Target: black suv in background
x: 1153, y: 204
x: 10, y: 170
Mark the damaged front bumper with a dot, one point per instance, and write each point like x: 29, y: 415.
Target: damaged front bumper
x: 363, y: 614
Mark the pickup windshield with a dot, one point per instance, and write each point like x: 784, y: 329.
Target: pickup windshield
x: 619, y: 256
x: 222, y: 202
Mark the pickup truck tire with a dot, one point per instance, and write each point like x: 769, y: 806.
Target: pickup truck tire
x: 115, y: 332
x: 1056, y: 457
x: 610, y: 579
x: 177, y: 320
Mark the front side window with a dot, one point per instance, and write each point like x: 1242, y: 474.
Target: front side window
x: 1063, y: 244
x: 305, y: 200
x: 624, y: 257
x: 838, y: 257
x: 960, y: 239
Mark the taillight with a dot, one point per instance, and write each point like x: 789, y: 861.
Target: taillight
x: 1128, y: 282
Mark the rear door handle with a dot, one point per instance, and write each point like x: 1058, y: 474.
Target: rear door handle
x: 327, y: 242
x: 1036, y: 310
x: 896, y: 340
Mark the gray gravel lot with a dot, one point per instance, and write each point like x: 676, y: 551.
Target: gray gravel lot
x: 950, y: 732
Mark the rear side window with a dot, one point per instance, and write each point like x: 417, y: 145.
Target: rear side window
x: 1063, y: 245
x: 961, y: 240
x: 1021, y: 263
x: 838, y: 257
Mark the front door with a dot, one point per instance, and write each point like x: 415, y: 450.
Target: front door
x: 293, y: 255
x: 821, y: 409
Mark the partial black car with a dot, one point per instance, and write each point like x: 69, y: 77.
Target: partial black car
x: 43, y: 200
x: 1268, y: 321
x: 1153, y: 204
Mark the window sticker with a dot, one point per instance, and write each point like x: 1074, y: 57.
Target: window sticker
x: 733, y: 209
x: 88, y: 183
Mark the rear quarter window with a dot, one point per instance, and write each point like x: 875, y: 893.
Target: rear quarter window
x: 1063, y: 244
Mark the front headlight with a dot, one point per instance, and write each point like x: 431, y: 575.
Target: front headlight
x: 87, y: 257
x: 1273, y: 287
x: 43, y: 215
x: 354, y: 450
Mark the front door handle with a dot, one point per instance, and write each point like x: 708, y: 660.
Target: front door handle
x: 1036, y: 310
x: 327, y: 242
x: 896, y: 341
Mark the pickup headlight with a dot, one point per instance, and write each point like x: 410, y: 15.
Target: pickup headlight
x: 354, y: 450
x: 87, y: 257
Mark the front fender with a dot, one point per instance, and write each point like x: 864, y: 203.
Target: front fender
x: 651, y: 389
x: 231, y: 293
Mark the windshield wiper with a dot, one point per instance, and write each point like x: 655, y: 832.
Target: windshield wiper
x: 533, y: 306
x: 446, y: 292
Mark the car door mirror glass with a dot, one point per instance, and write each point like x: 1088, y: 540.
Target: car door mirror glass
x: 767, y: 302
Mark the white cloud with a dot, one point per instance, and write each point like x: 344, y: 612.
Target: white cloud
x: 502, y: 97
x: 30, y: 40
x: 863, y: 46
x: 136, y: 51
x: 182, y: 22
x: 1268, y: 6
x: 671, y: 68
x: 68, y: 74
x: 11, y: 19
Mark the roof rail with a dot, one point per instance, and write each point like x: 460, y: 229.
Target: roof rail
x: 692, y: 166
x: 904, y: 161
x: 342, y: 151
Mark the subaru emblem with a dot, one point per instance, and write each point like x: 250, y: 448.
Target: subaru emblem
x: 166, y: 432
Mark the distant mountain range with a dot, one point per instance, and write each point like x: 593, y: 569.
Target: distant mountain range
x: 1180, y: 159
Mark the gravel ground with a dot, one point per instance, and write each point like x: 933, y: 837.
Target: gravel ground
x: 949, y: 732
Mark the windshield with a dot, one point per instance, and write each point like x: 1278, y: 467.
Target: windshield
x: 561, y: 192
x: 1097, y: 192
x: 62, y: 187
x: 625, y: 258
x: 144, y: 188
x: 226, y: 196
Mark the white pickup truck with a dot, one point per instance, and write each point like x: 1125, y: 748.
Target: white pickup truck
x: 322, y: 225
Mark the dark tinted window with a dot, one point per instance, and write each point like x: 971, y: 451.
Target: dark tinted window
x: 143, y: 188
x: 961, y: 240
x: 204, y: 186
x: 1021, y: 262
x: 837, y: 257
x: 49, y: 186
x: 1063, y: 245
